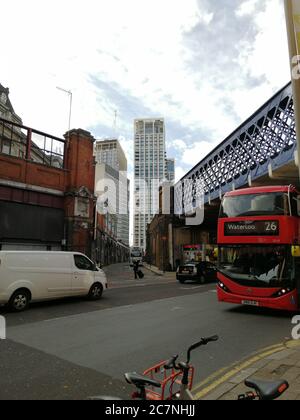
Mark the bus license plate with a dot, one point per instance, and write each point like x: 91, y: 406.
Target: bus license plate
x: 250, y: 303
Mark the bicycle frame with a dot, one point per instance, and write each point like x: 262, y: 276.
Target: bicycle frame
x: 185, y: 393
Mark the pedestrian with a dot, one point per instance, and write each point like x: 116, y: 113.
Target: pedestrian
x: 136, y: 265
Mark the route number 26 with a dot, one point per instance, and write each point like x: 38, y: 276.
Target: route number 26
x: 271, y: 226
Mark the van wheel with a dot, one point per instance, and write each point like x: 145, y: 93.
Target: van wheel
x: 20, y: 301
x: 96, y: 292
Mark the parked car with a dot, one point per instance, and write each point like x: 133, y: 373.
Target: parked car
x: 201, y: 272
x: 36, y: 276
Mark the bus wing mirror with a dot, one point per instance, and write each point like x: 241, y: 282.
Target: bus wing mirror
x: 296, y: 251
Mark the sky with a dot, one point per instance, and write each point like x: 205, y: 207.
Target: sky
x: 203, y: 65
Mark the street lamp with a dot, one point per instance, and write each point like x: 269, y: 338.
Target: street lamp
x: 71, y: 100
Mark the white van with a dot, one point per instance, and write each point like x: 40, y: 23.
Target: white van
x: 27, y: 276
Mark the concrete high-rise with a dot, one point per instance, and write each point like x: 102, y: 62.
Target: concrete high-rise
x: 149, y: 172
x: 170, y: 170
x: 111, y: 153
x: 112, y: 165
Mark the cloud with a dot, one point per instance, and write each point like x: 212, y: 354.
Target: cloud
x: 179, y: 173
x: 247, y: 8
x: 190, y: 69
x: 198, y: 151
x: 203, y: 65
x: 178, y: 144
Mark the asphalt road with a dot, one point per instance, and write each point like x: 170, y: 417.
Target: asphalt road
x: 73, y: 349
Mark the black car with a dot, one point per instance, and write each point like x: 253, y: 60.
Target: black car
x: 201, y: 272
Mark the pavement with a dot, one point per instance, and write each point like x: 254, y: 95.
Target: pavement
x: 273, y: 363
x: 122, y: 275
x: 155, y: 270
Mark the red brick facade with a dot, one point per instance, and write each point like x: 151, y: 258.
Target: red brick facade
x: 35, y: 184
x: 47, y: 194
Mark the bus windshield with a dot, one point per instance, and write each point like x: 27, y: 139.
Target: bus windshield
x: 136, y: 254
x: 258, y: 266
x: 255, y: 205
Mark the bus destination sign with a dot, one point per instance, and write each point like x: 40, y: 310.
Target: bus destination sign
x: 252, y: 228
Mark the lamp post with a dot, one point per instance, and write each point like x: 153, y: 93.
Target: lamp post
x: 69, y: 92
x: 66, y: 145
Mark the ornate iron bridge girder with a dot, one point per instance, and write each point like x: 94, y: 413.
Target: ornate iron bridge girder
x: 267, y: 137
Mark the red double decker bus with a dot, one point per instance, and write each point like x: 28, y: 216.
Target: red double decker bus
x: 259, y: 253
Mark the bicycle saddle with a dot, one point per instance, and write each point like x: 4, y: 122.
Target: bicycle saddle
x: 141, y: 381
x: 267, y: 390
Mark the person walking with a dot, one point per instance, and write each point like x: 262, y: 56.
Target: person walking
x: 136, y: 265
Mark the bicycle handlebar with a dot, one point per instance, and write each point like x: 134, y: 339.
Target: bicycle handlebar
x: 170, y: 364
x: 203, y: 342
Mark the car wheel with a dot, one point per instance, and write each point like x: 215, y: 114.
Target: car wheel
x: 96, y: 292
x: 182, y: 281
x: 19, y: 301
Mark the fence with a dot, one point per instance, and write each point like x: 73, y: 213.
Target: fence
x: 27, y: 143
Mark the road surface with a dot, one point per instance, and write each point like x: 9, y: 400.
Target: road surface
x: 75, y: 348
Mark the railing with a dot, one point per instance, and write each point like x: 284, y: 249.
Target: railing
x: 26, y: 143
x: 267, y: 138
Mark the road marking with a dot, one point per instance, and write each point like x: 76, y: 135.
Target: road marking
x: 55, y: 319
x: 235, y: 369
x: 124, y: 286
x: 219, y: 372
x: 191, y: 288
x: 106, y: 308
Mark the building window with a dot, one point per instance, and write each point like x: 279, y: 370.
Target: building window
x: 6, y: 147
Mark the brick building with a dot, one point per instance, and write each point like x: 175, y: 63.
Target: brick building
x: 168, y: 236
x: 47, y: 196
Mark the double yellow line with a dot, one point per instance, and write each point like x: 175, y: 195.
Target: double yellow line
x: 223, y: 375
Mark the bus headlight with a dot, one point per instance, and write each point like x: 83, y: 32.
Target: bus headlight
x: 223, y: 287
x: 282, y: 292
